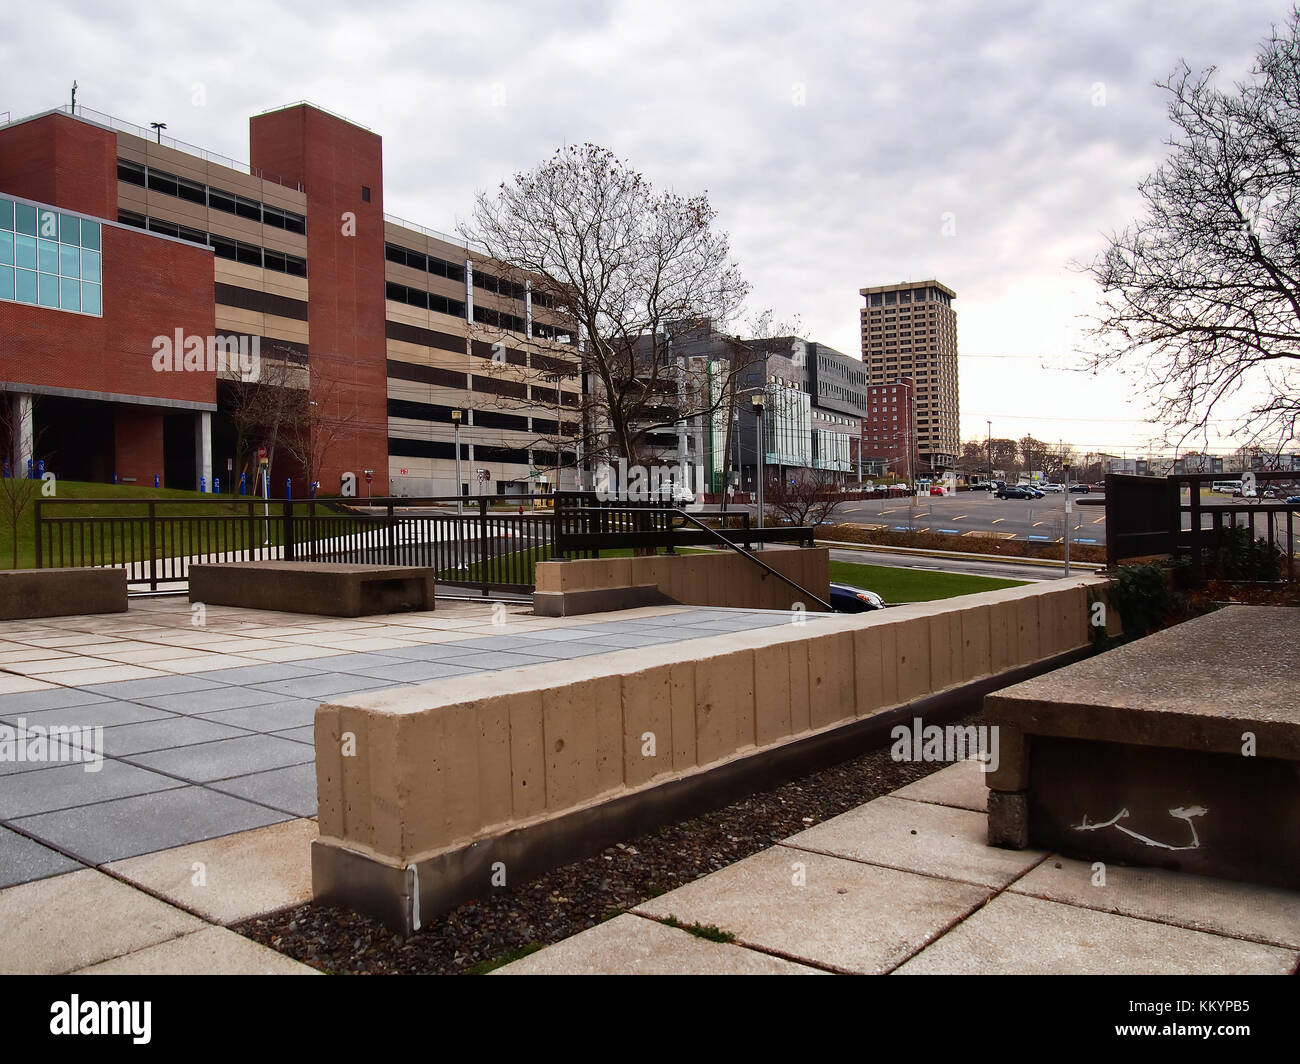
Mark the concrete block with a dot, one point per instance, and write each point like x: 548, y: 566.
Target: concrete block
x: 976, y: 643
x: 772, y: 701
x: 913, y: 657
x: 1004, y: 636
x: 1028, y: 640
x: 61, y: 592
x: 1009, y: 819
x: 831, y: 678
x: 527, y: 754
x: 1012, y: 773
x: 945, y: 650
x: 681, y: 683
x: 869, y: 668
x: 647, y: 708
x: 724, y: 705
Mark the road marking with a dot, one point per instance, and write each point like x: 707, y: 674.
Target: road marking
x: 998, y: 520
x: 959, y: 517
x: 1099, y: 520
x: 1081, y: 540
x: 1037, y: 523
x: 1038, y: 537
x: 889, y: 511
x: 953, y: 531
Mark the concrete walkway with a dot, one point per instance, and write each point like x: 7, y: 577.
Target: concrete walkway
x: 906, y: 885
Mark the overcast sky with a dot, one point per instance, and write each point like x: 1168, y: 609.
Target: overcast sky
x: 834, y: 139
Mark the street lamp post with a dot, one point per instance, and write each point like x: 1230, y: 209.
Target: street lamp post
x: 455, y: 420
x: 1065, y: 467
x: 757, y: 400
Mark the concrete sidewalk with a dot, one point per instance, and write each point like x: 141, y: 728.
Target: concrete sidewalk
x: 907, y: 885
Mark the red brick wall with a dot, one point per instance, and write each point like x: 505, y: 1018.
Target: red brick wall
x: 63, y: 162
x: 345, y: 274
x: 152, y: 287
x: 138, y: 444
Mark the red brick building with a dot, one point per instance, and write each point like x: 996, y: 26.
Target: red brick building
x: 116, y: 244
x: 888, y: 434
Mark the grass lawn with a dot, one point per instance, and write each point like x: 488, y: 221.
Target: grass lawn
x: 179, y: 504
x: 895, y: 584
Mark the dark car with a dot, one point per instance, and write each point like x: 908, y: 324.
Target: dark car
x: 1082, y: 489
x: 1017, y: 492
x: 848, y: 599
x: 1293, y: 500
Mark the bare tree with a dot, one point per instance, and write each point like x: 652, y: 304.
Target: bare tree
x: 1202, y: 294
x: 804, y: 496
x: 264, y: 406
x: 631, y: 267
x: 317, y: 422
x: 17, y: 490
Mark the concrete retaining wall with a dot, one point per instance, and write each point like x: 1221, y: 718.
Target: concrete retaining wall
x: 714, y: 579
x: 61, y: 592
x: 436, y: 773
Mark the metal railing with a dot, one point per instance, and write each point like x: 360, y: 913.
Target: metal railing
x: 156, y: 541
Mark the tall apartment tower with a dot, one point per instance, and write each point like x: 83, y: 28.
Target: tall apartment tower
x: 910, y: 330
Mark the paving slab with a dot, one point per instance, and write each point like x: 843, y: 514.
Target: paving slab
x: 232, y: 878
x: 1017, y: 935
x: 848, y: 917
x: 106, y: 714
x: 935, y: 840
x: 71, y: 921
x: 213, y: 700
x: 961, y: 785
x: 128, y: 740
x: 68, y: 786
x: 225, y: 759
x: 153, y: 685
x: 212, y: 951
x: 1223, y: 906
x: 23, y: 860
x: 634, y: 945
x: 127, y: 827
x: 291, y: 789
x: 274, y: 716
x: 323, y: 685
x: 54, y: 698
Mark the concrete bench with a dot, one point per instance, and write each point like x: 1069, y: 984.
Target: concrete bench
x: 314, y: 587
x: 61, y: 592
x: 1178, y: 751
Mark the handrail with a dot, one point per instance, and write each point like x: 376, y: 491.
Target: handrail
x: 753, y: 558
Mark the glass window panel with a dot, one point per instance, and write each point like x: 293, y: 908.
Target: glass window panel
x: 6, y: 282
x: 69, y: 261
x: 90, y: 234
x: 90, y: 266
x: 90, y: 298
x: 191, y: 191
x: 221, y: 201
x: 161, y: 181
x: 132, y: 173
x: 6, y: 214
x: 69, y: 229
x: 7, y: 248
x: 47, y: 256
x: 25, y: 286
x: 25, y: 218
x: 69, y: 293
x: 48, y: 290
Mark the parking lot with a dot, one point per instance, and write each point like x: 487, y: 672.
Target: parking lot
x: 977, y: 513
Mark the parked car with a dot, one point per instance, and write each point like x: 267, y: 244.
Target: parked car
x: 1052, y: 489
x: 1016, y: 492
x: 1081, y: 489
x: 1293, y: 500
x: 848, y: 599
x: 1270, y: 494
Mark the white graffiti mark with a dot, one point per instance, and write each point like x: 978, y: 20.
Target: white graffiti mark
x: 1180, y: 813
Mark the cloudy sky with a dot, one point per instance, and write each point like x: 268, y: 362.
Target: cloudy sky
x: 835, y: 139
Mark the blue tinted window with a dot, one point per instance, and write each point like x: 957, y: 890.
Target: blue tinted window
x: 69, y: 293
x: 25, y: 250
x: 90, y: 266
x: 6, y: 214
x: 25, y: 218
x: 7, y: 248
x: 90, y: 298
x: 6, y: 282
x: 48, y: 290
x: 25, y: 285
x: 69, y: 229
x: 69, y: 260
x: 47, y: 256
x: 89, y: 234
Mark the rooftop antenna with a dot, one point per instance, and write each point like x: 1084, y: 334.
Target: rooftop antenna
x: 74, y: 98
x: 158, y: 128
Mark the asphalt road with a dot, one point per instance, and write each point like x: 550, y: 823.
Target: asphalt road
x: 976, y: 513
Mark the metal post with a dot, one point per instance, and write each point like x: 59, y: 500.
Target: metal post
x: 455, y: 417
x: 1065, y: 466
x: 759, y: 458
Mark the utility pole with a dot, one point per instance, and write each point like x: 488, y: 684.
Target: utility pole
x: 990, y: 448
x: 1065, y: 466
x: 460, y: 506
x: 759, y: 456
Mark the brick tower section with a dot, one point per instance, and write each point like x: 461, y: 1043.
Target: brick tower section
x: 335, y: 161
x: 63, y: 162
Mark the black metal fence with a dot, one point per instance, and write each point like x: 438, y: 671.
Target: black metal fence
x: 483, y: 547
x: 1148, y: 516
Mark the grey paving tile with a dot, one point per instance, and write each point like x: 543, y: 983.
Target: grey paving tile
x: 305, y: 734
x: 40, y: 701
x: 292, y: 789
x: 323, y: 685
x: 428, y: 652
x: 357, y: 663
x: 22, y: 860
x: 130, y: 739
x: 192, y: 703
x: 111, y: 831
x: 152, y: 685
x: 254, y: 674
x: 417, y: 671
x: 66, y: 786
x: 498, y: 642
x: 226, y: 758
x: 277, y: 715
x: 106, y: 714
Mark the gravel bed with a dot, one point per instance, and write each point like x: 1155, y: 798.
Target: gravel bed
x: 571, y: 899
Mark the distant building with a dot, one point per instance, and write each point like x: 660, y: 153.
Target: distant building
x: 910, y: 330
x: 888, y: 437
